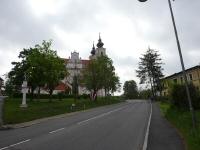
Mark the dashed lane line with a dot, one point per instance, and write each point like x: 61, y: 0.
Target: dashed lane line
x: 14, y: 144
x: 99, y: 116
x: 56, y: 130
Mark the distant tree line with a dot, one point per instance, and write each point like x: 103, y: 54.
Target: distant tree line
x: 130, y: 89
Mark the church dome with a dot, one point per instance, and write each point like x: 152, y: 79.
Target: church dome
x: 93, y: 50
x: 100, y: 43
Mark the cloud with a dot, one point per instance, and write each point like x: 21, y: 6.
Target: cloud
x: 127, y: 29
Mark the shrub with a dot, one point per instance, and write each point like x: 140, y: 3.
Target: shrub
x: 60, y: 95
x: 163, y: 98
x: 85, y: 96
x: 44, y: 96
x: 179, y: 96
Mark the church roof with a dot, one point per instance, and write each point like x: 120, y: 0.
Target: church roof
x: 100, y: 43
x: 179, y: 73
x: 61, y: 87
x: 93, y: 50
x: 83, y: 61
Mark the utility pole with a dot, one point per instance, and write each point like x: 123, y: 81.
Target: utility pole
x: 182, y: 65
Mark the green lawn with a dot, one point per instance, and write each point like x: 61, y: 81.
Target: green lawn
x: 182, y: 120
x: 12, y: 113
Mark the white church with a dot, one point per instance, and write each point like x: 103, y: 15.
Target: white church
x: 75, y: 65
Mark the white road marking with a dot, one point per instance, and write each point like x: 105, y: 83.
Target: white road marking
x: 147, y: 131
x: 56, y: 130
x: 99, y: 116
x: 4, y: 148
x: 15, y: 144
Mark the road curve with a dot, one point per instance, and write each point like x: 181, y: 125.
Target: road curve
x: 115, y: 127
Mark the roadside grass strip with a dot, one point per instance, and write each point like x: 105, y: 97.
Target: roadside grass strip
x: 181, y: 119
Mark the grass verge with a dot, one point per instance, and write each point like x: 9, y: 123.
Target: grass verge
x: 182, y: 121
x: 13, y: 114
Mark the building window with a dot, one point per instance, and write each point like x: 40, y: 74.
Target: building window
x: 175, y: 80
x: 190, y: 77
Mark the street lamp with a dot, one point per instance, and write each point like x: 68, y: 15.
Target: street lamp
x: 182, y: 63
x: 142, y: 0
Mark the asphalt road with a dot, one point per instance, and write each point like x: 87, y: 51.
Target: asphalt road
x: 117, y: 127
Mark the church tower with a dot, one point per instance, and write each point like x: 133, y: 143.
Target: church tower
x: 99, y: 51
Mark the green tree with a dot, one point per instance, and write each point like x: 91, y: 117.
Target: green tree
x: 109, y: 79
x: 53, y: 66
x: 150, y: 70
x: 130, y: 89
x: 179, y: 97
x: 91, y: 78
x: 9, y: 89
x: 100, y: 74
x: 75, y: 88
x: 36, y: 70
x: 42, y: 67
x: 17, y: 73
x: 144, y: 93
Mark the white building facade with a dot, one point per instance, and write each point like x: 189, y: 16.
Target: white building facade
x: 75, y: 65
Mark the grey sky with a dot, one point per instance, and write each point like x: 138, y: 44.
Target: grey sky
x: 127, y: 28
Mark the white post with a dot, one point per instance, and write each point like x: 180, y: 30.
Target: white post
x: 24, y: 91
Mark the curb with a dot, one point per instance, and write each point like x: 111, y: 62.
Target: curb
x: 5, y: 128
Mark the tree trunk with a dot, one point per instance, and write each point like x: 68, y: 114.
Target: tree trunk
x: 105, y: 92
x: 94, y: 96
x: 155, y: 90
x: 152, y: 90
x: 38, y: 93
x: 32, y: 93
x: 50, y: 94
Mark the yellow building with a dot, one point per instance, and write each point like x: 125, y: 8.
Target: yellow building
x: 193, y: 75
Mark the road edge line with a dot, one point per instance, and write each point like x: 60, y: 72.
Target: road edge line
x: 147, y: 130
